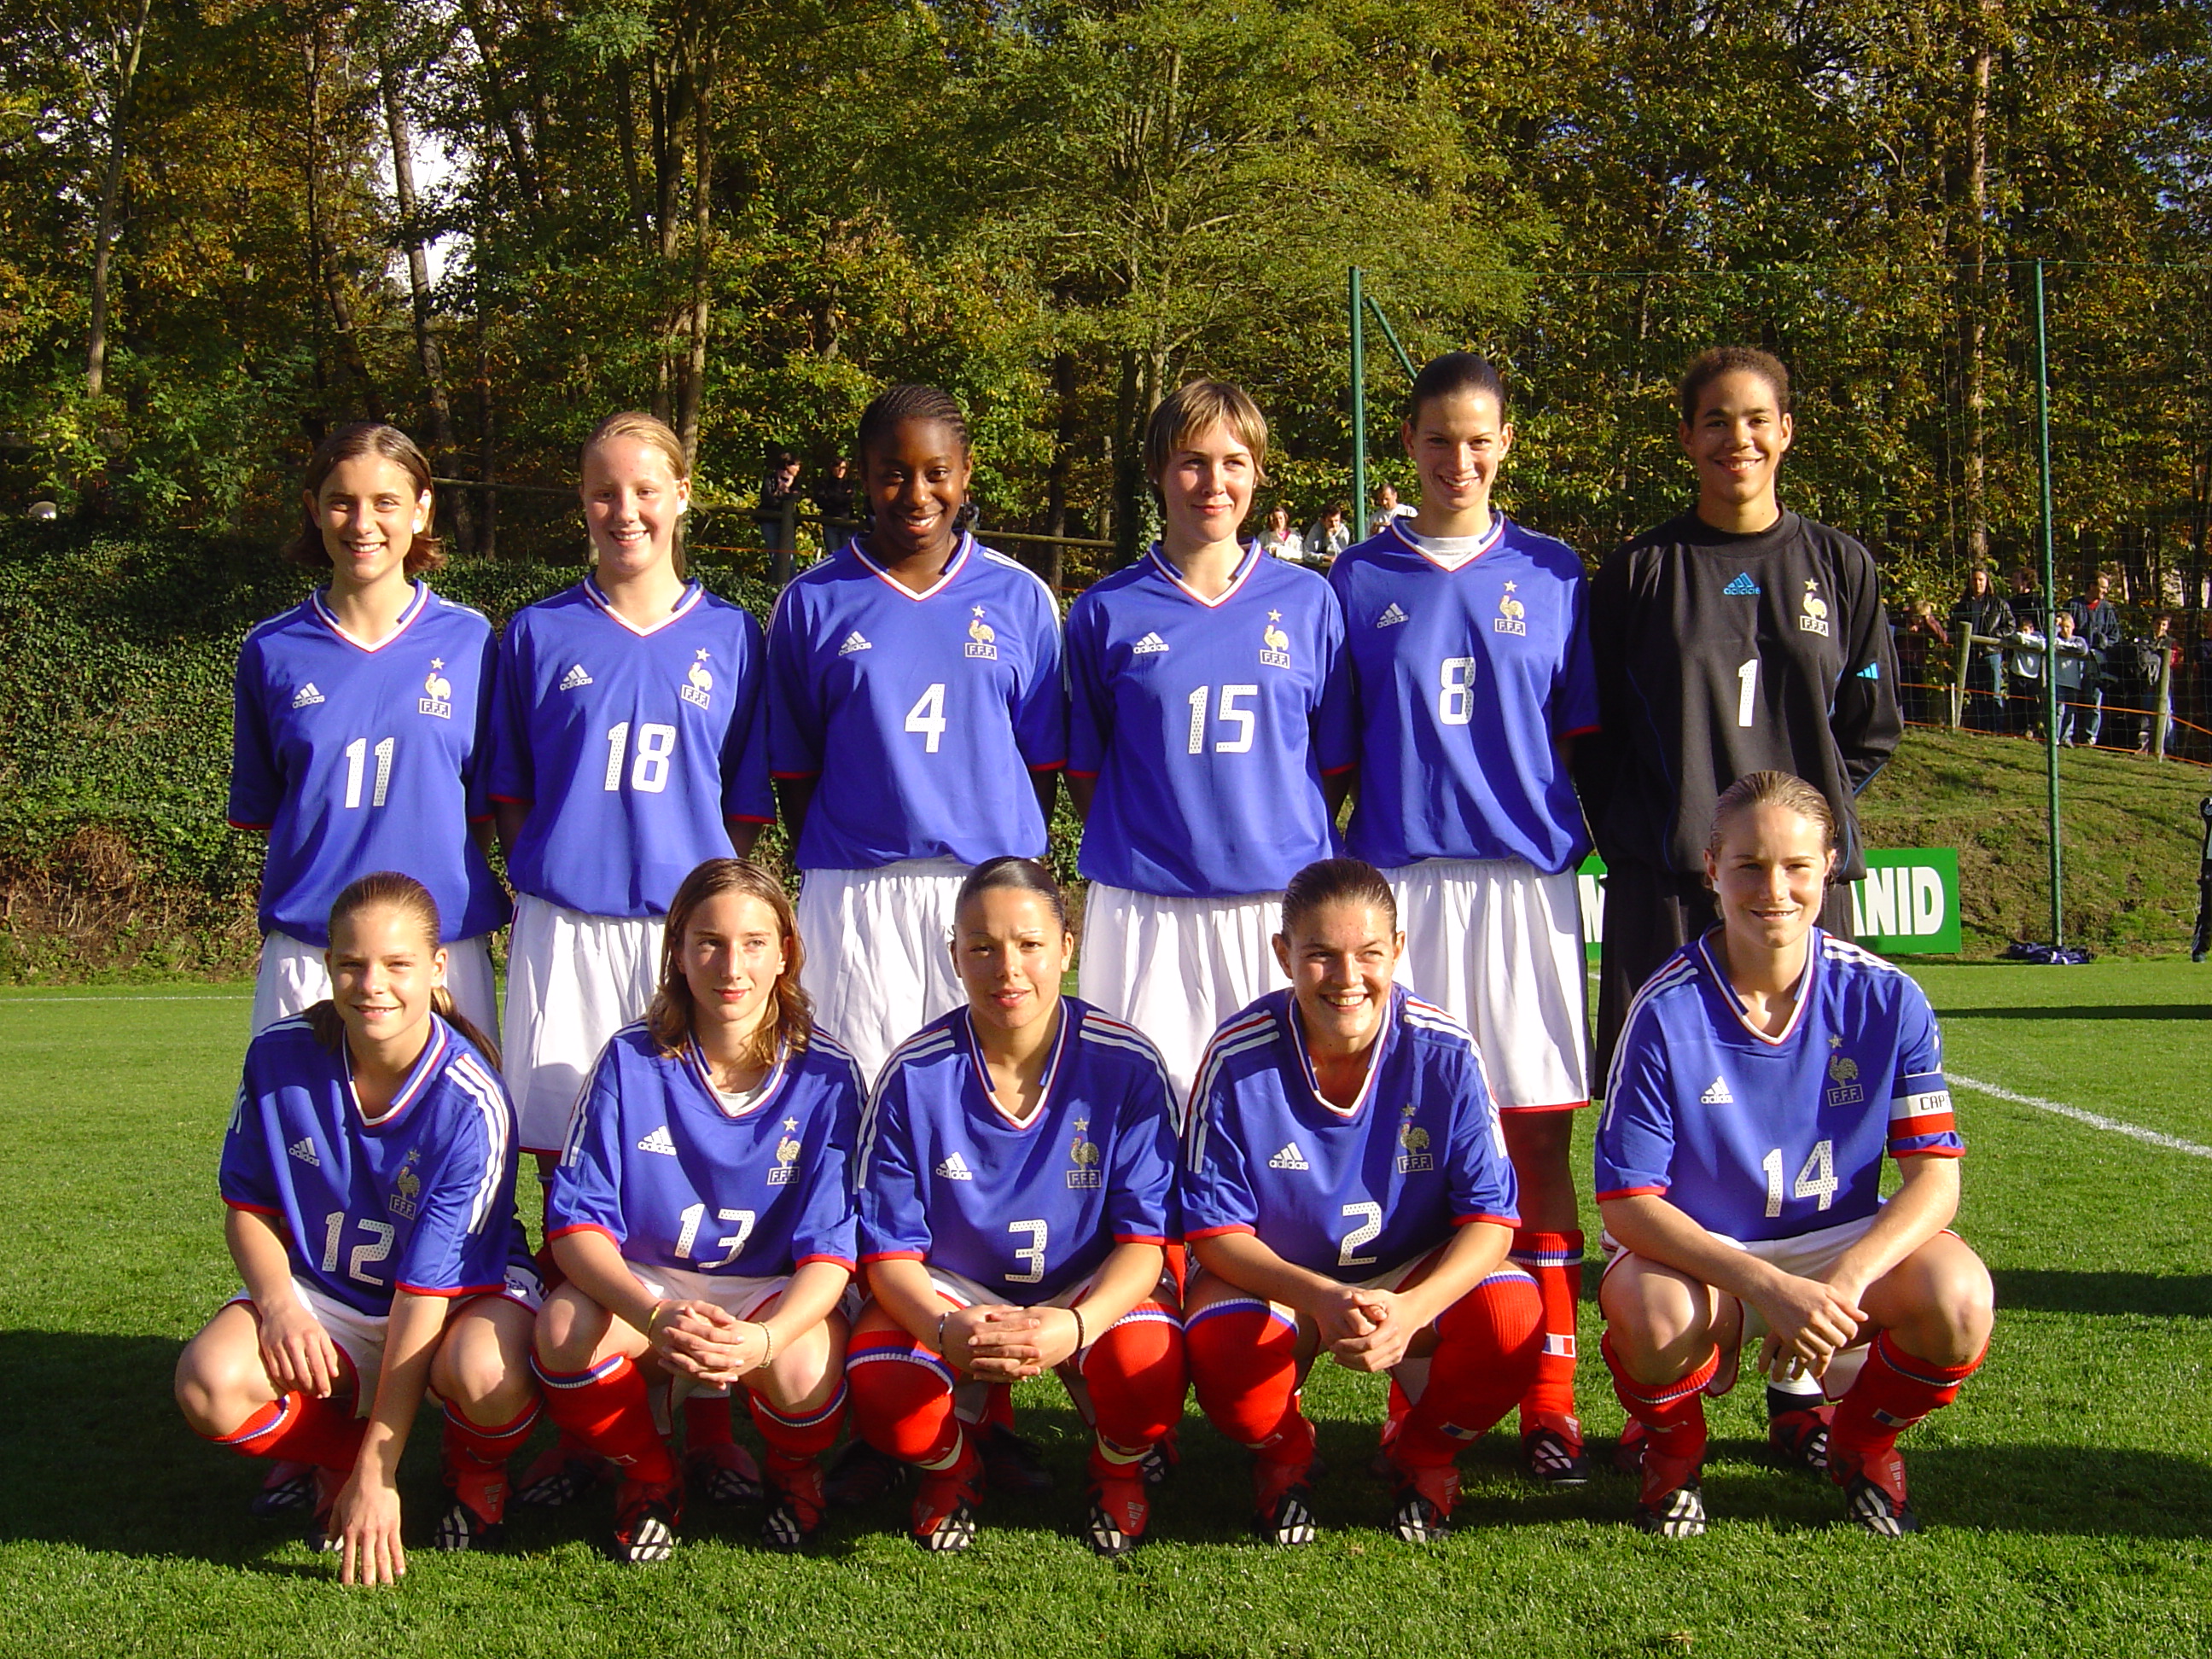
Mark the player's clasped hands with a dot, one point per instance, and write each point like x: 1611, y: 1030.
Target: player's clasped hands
x: 1809, y: 1322
x: 1364, y: 1330
x: 696, y: 1339
x: 1002, y: 1343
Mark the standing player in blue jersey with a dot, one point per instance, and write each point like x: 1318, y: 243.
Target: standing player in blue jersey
x: 1345, y: 1187
x: 1209, y: 738
x: 918, y: 724
x: 1017, y: 1192
x: 359, y: 739
x: 369, y: 1173
x: 628, y: 746
x: 1763, y: 1074
x: 702, y: 1215
x: 1470, y: 657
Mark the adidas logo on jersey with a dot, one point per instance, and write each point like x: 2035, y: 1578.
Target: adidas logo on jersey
x: 1392, y: 616
x: 1289, y: 1158
x: 855, y: 641
x: 304, y: 1150
x: 1718, y: 1094
x: 307, y: 696
x: 1742, y: 588
x: 658, y: 1141
x: 1148, y: 646
x: 575, y: 678
x: 955, y: 1168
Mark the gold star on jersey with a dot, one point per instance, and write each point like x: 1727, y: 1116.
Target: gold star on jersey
x: 1512, y: 615
x: 982, y: 638
x: 1414, y: 1155
x: 1276, y: 652
x: 437, y: 698
x: 699, y: 683
x: 1083, y: 1158
x: 786, y: 1156
x: 1813, y: 611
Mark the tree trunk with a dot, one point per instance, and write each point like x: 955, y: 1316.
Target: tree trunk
x: 1973, y: 327
x: 1128, y: 461
x: 1051, y: 565
x: 110, y: 188
x: 496, y: 78
x: 320, y: 248
x: 487, y: 458
x: 633, y: 187
x: 702, y: 212
x: 418, y: 284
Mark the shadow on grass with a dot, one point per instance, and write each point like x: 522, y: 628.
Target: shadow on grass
x: 104, y: 1463
x: 2162, y: 1295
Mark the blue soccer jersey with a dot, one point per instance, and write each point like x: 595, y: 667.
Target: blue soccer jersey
x: 631, y: 747
x: 1756, y: 1137
x: 660, y: 1163
x: 1466, y: 671
x: 1208, y: 724
x: 359, y: 757
x: 1024, y: 1209
x: 921, y: 716
x: 1347, y: 1194
x: 421, y: 1199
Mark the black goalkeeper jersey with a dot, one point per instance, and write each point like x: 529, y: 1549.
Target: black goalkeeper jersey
x: 1720, y: 654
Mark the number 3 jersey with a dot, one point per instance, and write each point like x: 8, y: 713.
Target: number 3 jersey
x: 1468, y: 672
x: 1025, y: 1209
x: 631, y: 747
x: 361, y: 757
x: 922, y: 715
x: 1348, y: 1192
x: 421, y: 1199
x: 1208, y: 724
x: 660, y: 1163
x: 1756, y: 1137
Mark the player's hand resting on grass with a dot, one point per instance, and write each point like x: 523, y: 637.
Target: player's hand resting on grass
x: 364, y: 1525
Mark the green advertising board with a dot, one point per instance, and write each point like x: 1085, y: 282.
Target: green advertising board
x: 1907, y: 904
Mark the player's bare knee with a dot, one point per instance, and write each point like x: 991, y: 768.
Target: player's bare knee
x: 567, y: 1332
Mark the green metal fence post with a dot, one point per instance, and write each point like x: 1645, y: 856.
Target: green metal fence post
x: 2050, y: 621
x: 1359, y: 415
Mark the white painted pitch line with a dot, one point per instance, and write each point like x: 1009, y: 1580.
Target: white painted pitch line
x: 2095, y: 1121
x: 41, y: 1002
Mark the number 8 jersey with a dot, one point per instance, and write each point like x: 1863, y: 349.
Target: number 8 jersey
x: 1756, y: 1137
x: 631, y: 747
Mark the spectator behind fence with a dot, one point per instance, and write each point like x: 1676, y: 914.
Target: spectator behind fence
x: 1329, y: 534
x: 833, y: 496
x: 1279, y: 539
x: 1982, y: 610
x: 779, y: 489
x: 1387, y: 507
x: 2026, y: 600
x: 1923, y: 662
x: 2024, y: 675
x: 2075, y: 665
x: 2099, y: 624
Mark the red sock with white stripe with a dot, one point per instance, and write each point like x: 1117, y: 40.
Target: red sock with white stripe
x: 1487, y: 1346
x: 1137, y: 1377
x: 800, y: 1437
x: 1243, y: 1364
x: 1554, y: 1260
x: 1895, y: 1389
x: 607, y: 1409
x: 1673, y: 1413
x: 302, y: 1429
x: 464, y: 1440
x: 901, y: 1398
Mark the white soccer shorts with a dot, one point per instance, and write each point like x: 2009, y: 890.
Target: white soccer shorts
x: 292, y: 977
x: 879, y: 952
x: 573, y: 981
x: 1177, y: 967
x: 1497, y: 945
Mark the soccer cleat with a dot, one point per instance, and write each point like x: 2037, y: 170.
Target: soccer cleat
x: 861, y: 1474
x: 1162, y: 1460
x: 288, y: 1486
x: 1552, y: 1452
x: 646, y: 1514
x: 796, y: 1512
x: 1628, y: 1451
x: 1120, y: 1508
x: 1011, y: 1463
x: 1425, y: 1498
x: 328, y: 1484
x: 723, y: 1473
x: 475, y: 1519
x: 1672, y: 1503
x: 1282, y: 1499
x: 560, y: 1474
x: 1800, y: 1437
x: 943, y: 1519
x: 1874, y: 1494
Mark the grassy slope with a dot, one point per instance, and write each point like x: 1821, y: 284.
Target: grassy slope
x: 2071, y: 1503
x: 2131, y: 836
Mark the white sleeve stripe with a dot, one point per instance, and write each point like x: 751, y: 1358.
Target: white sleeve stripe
x: 491, y: 1106
x: 1216, y: 1055
x: 1682, y: 971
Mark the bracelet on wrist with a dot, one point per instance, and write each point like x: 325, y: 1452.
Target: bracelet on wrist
x: 941, y: 1318
x: 768, y: 1341
x: 1082, y: 1335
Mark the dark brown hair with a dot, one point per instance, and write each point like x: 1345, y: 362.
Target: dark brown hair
x: 409, y: 897
x: 1336, y: 881
x: 1454, y: 372
x: 350, y: 442
x: 669, y: 1019
x: 1756, y: 789
x: 1709, y: 366
x: 1017, y: 875
x: 896, y: 405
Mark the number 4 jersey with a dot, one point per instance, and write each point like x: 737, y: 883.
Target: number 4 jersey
x: 631, y: 747
x: 421, y: 1199
x: 1756, y: 1137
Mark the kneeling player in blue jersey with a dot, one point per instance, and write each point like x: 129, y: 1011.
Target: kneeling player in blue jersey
x: 701, y: 1213
x: 369, y: 1171
x: 1345, y: 1187
x: 1762, y: 1074
x: 1017, y: 1183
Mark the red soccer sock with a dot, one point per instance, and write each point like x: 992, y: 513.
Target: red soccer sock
x: 1137, y: 1377
x: 999, y: 1407
x: 1554, y: 1260
x: 1487, y: 1348
x: 606, y: 1409
x: 706, y: 1420
x: 470, y: 1442
x: 1673, y: 1413
x: 801, y: 1438
x: 301, y: 1428
x: 901, y: 1399
x: 1895, y: 1389
x: 1244, y: 1362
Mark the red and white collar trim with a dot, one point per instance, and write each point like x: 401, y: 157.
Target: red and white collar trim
x: 692, y: 594
x: 1250, y: 563
x: 1051, y: 1069
x: 418, y: 1077
x: 953, y: 567
x: 1402, y: 528
x: 413, y: 608
x: 705, y: 1075
x: 1804, y: 991
x: 1375, y: 1052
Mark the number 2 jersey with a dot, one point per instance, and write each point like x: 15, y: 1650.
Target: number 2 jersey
x: 658, y: 1161
x: 1756, y: 1137
x: 632, y: 747
x: 1024, y: 1209
x: 359, y: 757
x: 1348, y: 1192
x: 421, y: 1199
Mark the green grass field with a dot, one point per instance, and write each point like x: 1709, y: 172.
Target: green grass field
x: 2068, y: 1493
